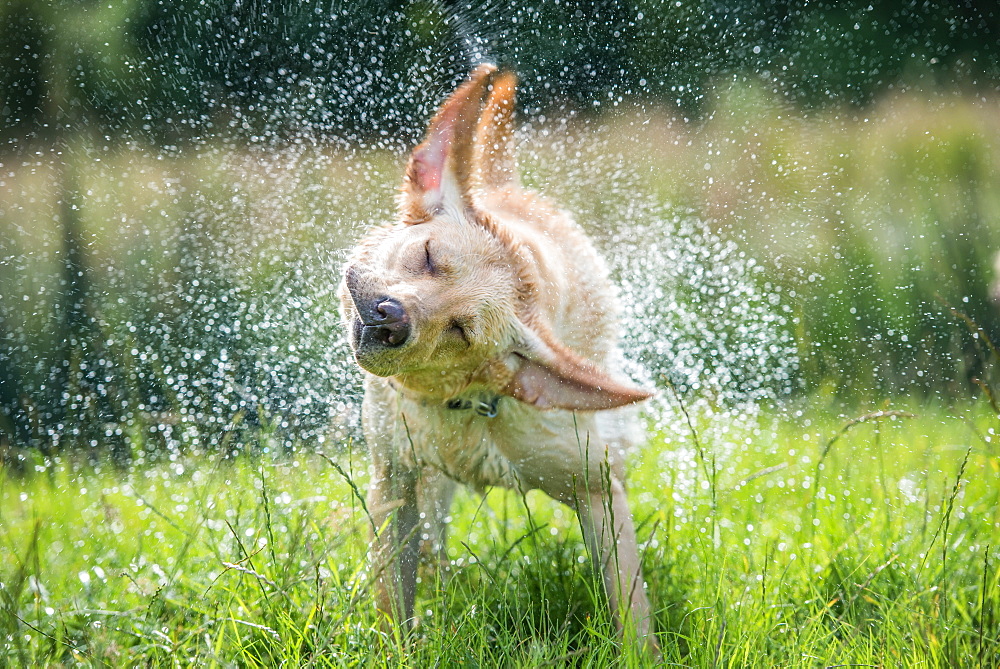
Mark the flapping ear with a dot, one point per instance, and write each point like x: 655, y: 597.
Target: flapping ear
x: 497, y: 166
x: 441, y: 167
x: 550, y: 376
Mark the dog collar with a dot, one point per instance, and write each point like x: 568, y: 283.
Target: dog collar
x: 486, y: 406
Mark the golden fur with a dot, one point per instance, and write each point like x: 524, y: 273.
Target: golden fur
x: 488, y: 327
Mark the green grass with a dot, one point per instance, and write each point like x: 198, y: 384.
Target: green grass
x: 798, y: 538
x: 821, y: 542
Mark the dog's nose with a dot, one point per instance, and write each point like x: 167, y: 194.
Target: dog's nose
x: 389, y: 326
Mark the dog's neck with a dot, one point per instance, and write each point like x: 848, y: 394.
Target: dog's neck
x: 484, y: 403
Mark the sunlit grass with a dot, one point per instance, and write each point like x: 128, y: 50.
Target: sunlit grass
x: 803, y: 537
x: 882, y: 553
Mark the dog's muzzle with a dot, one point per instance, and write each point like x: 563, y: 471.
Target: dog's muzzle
x: 381, y: 322
x: 385, y: 324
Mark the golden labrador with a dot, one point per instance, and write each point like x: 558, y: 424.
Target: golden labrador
x: 488, y: 327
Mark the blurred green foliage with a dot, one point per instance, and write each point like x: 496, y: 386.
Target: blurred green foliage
x: 179, y: 66
x: 870, y: 230
x: 880, y: 224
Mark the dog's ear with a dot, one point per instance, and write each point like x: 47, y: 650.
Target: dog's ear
x: 548, y: 375
x: 441, y: 167
x: 497, y: 165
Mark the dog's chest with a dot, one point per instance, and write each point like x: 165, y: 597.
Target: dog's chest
x: 460, y: 438
x: 486, y: 441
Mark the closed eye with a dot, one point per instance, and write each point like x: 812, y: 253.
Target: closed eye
x: 428, y: 260
x: 458, y: 329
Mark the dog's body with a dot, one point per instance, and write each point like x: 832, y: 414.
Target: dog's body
x: 489, y: 327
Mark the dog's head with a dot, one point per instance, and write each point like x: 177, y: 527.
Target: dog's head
x: 445, y: 299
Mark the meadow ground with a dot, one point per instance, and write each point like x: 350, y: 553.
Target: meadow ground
x: 807, y: 538
x: 808, y: 535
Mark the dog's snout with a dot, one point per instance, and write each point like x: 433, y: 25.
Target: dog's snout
x: 380, y: 321
x: 389, y: 325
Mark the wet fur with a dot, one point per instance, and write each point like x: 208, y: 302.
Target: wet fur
x: 509, y: 309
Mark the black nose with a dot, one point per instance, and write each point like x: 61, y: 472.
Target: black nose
x: 387, y: 324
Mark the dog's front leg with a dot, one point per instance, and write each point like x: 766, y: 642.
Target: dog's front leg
x: 434, y: 495
x: 610, y: 535
x: 392, y: 502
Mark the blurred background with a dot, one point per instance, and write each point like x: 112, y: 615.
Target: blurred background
x: 806, y: 196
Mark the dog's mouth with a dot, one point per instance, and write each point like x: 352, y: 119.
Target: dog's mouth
x: 390, y: 328
x: 357, y: 328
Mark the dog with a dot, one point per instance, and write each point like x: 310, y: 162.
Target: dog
x: 487, y: 326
